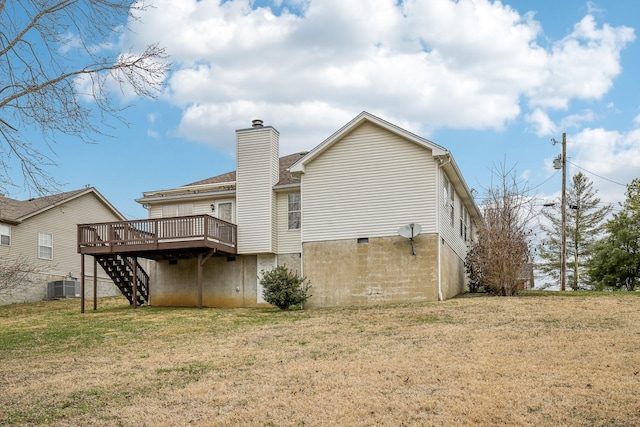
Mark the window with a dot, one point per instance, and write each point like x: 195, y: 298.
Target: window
x: 182, y: 209
x: 5, y: 235
x: 445, y: 191
x: 225, y: 211
x: 45, y: 246
x: 448, y: 198
x: 464, y: 221
x: 294, y: 211
x: 452, y: 206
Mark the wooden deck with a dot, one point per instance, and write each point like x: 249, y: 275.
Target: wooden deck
x: 159, y: 238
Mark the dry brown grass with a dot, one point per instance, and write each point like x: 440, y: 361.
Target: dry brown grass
x: 533, y: 360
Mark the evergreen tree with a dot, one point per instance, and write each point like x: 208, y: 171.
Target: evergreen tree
x: 615, y: 263
x: 584, y: 223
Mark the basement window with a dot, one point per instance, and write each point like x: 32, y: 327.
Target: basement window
x: 231, y: 258
x: 362, y: 240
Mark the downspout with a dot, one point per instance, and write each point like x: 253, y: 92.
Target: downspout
x: 441, y: 163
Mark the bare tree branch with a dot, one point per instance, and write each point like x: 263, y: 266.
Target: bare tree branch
x: 15, y: 274
x: 58, y: 66
x: 497, y: 258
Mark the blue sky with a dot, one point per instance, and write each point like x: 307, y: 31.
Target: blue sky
x: 492, y: 82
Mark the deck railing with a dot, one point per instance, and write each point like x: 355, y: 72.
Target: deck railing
x: 156, y: 231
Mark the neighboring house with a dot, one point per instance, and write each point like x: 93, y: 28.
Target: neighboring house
x: 42, y: 232
x: 333, y: 214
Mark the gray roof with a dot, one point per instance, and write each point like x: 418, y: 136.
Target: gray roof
x: 285, y: 177
x: 15, y: 210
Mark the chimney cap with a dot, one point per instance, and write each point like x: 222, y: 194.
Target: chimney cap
x: 256, y: 123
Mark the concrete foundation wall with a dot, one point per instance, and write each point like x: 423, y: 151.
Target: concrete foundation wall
x: 227, y: 282
x: 453, y: 274
x: 292, y: 261
x: 380, y: 271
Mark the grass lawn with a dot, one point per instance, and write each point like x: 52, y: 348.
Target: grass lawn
x: 538, y: 359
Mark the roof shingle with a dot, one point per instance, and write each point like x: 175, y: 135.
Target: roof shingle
x: 285, y: 177
x: 15, y: 210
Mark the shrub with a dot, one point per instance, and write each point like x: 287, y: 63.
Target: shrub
x: 284, y: 288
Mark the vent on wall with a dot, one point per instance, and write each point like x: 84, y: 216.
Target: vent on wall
x: 63, y: 289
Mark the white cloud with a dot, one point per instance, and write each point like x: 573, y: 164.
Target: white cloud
x: 541, y: 123
x: 470, y: 64
x: 577, y: 120
x: 608, y: 158
x: 582, y: 65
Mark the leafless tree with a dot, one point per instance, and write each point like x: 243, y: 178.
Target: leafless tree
x: 15, y: 274
x: 59, y: 63
x: 500, y: 253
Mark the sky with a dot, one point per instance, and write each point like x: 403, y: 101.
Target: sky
x: 493, y: 82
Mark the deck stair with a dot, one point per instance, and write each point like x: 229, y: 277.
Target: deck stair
x: 120, y: 269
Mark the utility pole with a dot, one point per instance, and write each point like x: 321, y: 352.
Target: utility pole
x: 563, y: 253
x: 561, y: 162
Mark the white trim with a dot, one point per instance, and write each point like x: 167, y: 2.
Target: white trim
x: 187, y: 188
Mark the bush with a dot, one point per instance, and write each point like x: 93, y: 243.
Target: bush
x: 284, y: 288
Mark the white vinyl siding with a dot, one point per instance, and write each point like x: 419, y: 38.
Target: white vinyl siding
x: 45, y: 246
x: 288, y: 240
x: 368, y: 184
x: 257, y: 173
x: 199, y: 207
x: 60, y: 222
x: 450, y: 229
x: 5, y: 235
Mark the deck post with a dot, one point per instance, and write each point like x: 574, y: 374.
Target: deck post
x: 95, y: 284
x: 135, y: 282
x: 200, y: 280
x: 82, y: 284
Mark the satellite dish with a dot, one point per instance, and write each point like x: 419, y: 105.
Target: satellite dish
x: 410, y: 231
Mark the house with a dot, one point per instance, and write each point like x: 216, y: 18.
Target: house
x: 42, y: 232
x: 372, y: 215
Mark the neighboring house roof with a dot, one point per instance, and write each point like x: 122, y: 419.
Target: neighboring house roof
x: 223, y: 183
x: 16, y: 211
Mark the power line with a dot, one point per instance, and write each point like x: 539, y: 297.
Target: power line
x: 599, y: 176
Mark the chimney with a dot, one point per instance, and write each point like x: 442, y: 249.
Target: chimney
x: 257, y: 171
